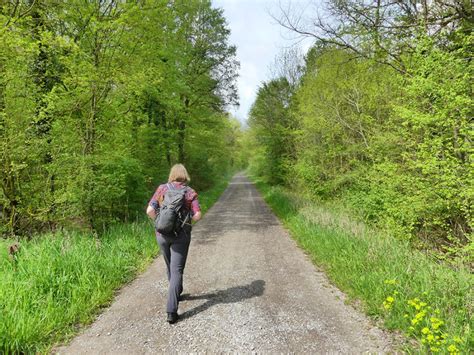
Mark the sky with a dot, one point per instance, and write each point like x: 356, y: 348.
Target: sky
x: 259, y: 39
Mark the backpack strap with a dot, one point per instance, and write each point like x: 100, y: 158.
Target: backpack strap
x: 184, y: 215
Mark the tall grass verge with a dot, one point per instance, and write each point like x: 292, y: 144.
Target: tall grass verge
x: 405, y: 288
x: 56, y: 283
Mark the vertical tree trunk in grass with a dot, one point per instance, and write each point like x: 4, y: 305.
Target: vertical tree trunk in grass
x: 181, y: 141
x: 182, y: 131
x: 47, y: 73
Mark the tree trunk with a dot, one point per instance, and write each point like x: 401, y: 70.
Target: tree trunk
x: 182, y: 132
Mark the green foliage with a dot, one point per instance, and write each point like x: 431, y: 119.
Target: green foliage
x: 422, y: 189
x: 97, y: 102
x: 272, y: 123
x: 341, y: 107
x: 395, y: 146
x: 436, y: 122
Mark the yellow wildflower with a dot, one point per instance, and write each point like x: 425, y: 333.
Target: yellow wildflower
x: 420, y: 315
x: 452, y: 348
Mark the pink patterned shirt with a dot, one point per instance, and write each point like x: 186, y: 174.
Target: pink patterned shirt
x: 191, y: 198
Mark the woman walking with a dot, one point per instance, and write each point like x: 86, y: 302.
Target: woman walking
x: 174, y: 247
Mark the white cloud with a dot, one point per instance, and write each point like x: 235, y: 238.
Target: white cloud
x: 258, y: 39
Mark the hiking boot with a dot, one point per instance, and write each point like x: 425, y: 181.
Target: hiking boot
x: 172, y: 317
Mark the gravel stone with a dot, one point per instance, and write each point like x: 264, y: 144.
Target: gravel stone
x: 248, y: 288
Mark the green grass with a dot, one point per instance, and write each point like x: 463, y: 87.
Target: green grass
x: 59, y: 282
x: 394, y: 283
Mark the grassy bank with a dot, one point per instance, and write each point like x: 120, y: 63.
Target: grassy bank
x: 405, y: 288
x: 58, y: 282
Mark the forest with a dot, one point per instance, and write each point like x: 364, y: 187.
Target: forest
x: 372, y: 127
x: 377, y: 117
x: 363, y: 147
x: 99, y: 98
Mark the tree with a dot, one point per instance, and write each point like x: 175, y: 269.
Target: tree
x: 110, y: 94
x: 206, y: 62
x: 271, y: 120
x: 382, y: 30
x: 381, y: 116
x: 342, y: 109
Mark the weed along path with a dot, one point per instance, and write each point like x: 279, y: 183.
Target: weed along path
x: 249, y: 289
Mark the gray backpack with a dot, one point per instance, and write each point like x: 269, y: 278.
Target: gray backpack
x: 173, y: 215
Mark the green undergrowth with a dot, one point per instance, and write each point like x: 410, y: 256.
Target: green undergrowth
x: 56, y: 283
x: 409, y: 291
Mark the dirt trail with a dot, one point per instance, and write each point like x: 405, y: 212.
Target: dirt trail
x: 249, y: 287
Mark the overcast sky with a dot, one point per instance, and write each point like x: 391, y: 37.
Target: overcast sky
x: 258, y: 39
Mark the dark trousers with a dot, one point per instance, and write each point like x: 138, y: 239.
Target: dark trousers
x: 175, y: 252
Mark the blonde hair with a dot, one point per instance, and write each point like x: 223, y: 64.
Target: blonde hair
x: 179, y: 173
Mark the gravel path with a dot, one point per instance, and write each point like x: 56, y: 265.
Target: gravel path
x: 249, y: 289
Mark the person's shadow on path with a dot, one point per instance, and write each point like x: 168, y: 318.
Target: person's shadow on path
x: 230, y: 295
